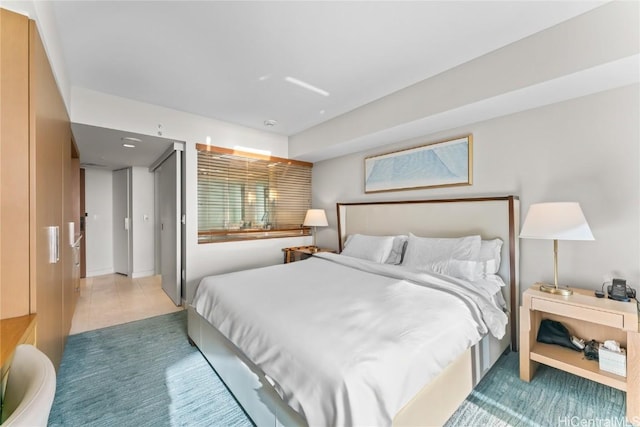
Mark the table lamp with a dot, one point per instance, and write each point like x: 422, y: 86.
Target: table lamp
x: 315, y: 218
x: 556, y: 221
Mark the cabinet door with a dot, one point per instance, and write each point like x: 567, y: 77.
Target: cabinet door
x: 70, y: 253
x: 50, y: 136
x: 14, y: 164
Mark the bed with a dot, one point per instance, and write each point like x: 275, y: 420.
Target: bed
x: 264, y: 379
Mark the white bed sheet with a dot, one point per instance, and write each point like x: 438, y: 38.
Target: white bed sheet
x: 347, y: 341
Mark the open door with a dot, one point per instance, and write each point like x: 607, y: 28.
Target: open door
x: 168, y: 202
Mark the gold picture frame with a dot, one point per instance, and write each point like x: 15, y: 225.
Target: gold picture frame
x: 439, y: 164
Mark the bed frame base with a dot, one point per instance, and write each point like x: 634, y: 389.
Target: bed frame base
x: 433, y: 405
x: 243, y: 379
x: 438, y: 400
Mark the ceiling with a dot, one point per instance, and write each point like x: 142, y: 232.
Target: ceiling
x: 231, y: 60
x: 103, y: 148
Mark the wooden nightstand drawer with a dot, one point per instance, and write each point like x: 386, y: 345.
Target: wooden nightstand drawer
x: 614, y: 320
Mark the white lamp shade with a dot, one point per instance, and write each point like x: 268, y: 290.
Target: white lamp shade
x: 315, y: 218
x: 561, y: 221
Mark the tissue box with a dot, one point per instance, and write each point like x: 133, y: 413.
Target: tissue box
x: 612, y: 361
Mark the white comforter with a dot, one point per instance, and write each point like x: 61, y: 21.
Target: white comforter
x: 346, y: 341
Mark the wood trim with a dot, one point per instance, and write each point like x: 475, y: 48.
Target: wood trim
x: 75, y: 153
x: 223, y: 150
x: 340, y: 248
x: 240, y: 231
x: 513, y: 303
x: 277, y: 234
x: 15, y: 331
x: 633, y: 377
x: 33, y: 273
x: 401, y: 202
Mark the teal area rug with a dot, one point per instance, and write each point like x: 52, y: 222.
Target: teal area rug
x: 145, y: 373
x: 552, y: 398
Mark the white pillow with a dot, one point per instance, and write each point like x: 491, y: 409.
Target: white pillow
x: 397, y: 250
x: 456, y: 257
x: 371, y: 248
x: 490, y: 255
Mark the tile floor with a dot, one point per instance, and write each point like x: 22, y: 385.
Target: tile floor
x: 114, y: 299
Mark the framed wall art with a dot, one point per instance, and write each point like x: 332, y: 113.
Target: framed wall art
x: 439, y: 164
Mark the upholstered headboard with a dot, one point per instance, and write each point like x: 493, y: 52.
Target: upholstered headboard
x: 490, y: 217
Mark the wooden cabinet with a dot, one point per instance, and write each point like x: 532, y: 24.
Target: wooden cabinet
x: 38, y: 187
x: 14, y: 165
x: 51, y: 157
x: 589, y: 318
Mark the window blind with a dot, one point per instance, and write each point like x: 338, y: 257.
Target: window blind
x: 248, y: 196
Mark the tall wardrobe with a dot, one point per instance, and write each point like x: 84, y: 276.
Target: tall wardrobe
x: 39, y: 189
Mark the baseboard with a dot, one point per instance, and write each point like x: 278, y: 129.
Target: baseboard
x: 102, y: 272
x: 147, y: 273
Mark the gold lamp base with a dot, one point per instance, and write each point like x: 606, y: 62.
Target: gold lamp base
x: 552, y: 289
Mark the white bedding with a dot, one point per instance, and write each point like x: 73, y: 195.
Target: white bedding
x: 347, y: 341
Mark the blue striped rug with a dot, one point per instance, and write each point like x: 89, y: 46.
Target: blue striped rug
x: 142, y: 373
x: 146, y: 374
x: 552, y: 398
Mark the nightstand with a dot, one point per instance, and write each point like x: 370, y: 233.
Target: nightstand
x: 589, y: 318
x: 298, y: 253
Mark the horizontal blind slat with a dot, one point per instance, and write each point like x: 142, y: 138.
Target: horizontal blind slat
x: 238, y: 193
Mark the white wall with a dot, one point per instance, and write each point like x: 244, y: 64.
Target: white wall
x: 584, y: 150
x: 99, y: 225
x: 99, y: 109
x: 142, y: 222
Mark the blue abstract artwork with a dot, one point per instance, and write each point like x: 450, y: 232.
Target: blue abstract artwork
x: 440, y: 164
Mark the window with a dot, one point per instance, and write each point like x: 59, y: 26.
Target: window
x: 244, y: 196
